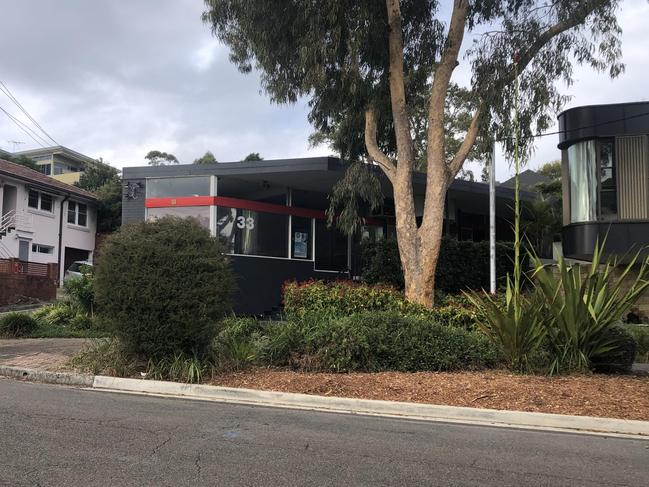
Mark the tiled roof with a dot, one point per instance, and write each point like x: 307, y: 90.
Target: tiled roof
x: 29, y: 175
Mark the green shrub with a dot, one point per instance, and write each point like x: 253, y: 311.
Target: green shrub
x: 56, y: 315
x: 619, y: 359
x: 390, y: 341
x: 581, y: 305
x: 81, y: 289
x: 179, y: 368
x: 641, y: 335
x: 462, y: 264
x: 17, y: 324
x: 515, y: 326
x: 162, y: 287
x: 238, y: 343
x: 105, y: 356
x: 342, y: 298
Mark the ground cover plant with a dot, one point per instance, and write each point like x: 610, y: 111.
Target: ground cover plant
x: 15, y: 325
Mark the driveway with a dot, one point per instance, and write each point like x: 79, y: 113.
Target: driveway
x: 39, y: 353
x: 53, y: 435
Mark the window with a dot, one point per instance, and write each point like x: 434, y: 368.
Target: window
x: 42, y: 249
x: 199, y: 213
x: 607, y: 181
x: 180, y: 186
x: 46, y: 169
x: 249, y: 232
x: 59, y: 168
x: 330, y: 248
x: 301, y: 230
x: 582, y: 163
x: 40, y: 201
x: 77, y: 214
x: 46, y: 202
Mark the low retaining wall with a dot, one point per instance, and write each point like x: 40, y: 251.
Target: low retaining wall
x: 14, y: 288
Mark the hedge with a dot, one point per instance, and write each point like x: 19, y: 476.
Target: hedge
x: 462, y: 264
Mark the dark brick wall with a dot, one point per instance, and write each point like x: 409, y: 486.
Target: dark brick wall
x: 15, y: 287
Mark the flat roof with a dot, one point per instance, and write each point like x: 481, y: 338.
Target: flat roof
x: 57, y: 149
x: 307, y: 173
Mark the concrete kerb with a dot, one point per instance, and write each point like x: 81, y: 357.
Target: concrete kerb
x: 415, y: 411
x: 34, y: 375
x: 426, y: 412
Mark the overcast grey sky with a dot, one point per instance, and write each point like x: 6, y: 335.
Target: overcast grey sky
x: 116, y: 79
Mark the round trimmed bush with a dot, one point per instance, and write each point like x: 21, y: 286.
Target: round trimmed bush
x: 619, y: 360
x: 17, y: 324
x: 162, y: 286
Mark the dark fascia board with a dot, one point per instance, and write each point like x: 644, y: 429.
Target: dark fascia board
x: 600, y: 121
x: 234, y: 168
x: 305, y: 164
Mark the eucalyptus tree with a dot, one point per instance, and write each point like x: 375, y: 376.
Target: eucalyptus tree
x: 377, y: 75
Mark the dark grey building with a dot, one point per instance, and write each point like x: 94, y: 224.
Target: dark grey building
x: 271, y: 217
x: 605, y: 177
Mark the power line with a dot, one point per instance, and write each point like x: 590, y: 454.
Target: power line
x: 583, y: 127
x: 23, y: 124
x: 23, y: 127
x: 10, y: 95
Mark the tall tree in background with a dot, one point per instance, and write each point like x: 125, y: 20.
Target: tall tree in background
x: 105, y: 181
x: 368, y: 67
x: 157, y: 158
x: 208, y: 158
x: 253, y: 156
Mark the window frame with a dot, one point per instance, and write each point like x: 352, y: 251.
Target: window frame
x: 600, y: 215
x: 76, y: 212
x: 38, y: 248
x: 39, y: 201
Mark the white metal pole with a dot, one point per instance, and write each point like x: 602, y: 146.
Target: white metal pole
x: 492, y: 221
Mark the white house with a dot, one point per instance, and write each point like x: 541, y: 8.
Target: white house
x: 44, y: 220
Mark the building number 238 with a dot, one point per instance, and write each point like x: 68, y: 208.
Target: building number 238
x: 243, y: 222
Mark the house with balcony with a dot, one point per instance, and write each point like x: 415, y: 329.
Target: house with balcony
x: 61, y: 163
x: 605, y: 178
x: 43, y: 220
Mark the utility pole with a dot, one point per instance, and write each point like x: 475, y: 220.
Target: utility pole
x: 15, y: 143
x: 492, y: 221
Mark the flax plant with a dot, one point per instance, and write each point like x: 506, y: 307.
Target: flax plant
x: 517, y: 327
x: 582, y: 306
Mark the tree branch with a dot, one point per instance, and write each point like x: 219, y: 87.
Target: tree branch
x: 583, y: 11
x: 372, y: 146
x: 398, y: 91
x: 441, y: 81
x: 467, y: 144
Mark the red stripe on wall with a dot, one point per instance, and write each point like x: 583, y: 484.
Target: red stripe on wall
x: 243, y: 205
x: 179, y: 201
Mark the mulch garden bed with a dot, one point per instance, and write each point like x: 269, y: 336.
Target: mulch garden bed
x: 625, y: 397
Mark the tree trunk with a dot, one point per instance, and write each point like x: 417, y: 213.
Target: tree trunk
x: 419, y: 249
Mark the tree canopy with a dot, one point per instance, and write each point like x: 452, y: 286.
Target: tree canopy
x: 378, y: 79
x: 253, y: 156
x: 157, y: 158
x: 208, y: 158
x: 105, y: 181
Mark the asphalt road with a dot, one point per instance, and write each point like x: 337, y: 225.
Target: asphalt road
x: 52, y: 435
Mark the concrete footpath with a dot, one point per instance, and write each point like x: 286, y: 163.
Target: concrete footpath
x: 392, y: 409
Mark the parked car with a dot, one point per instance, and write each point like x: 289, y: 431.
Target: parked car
x: 75, y: 269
